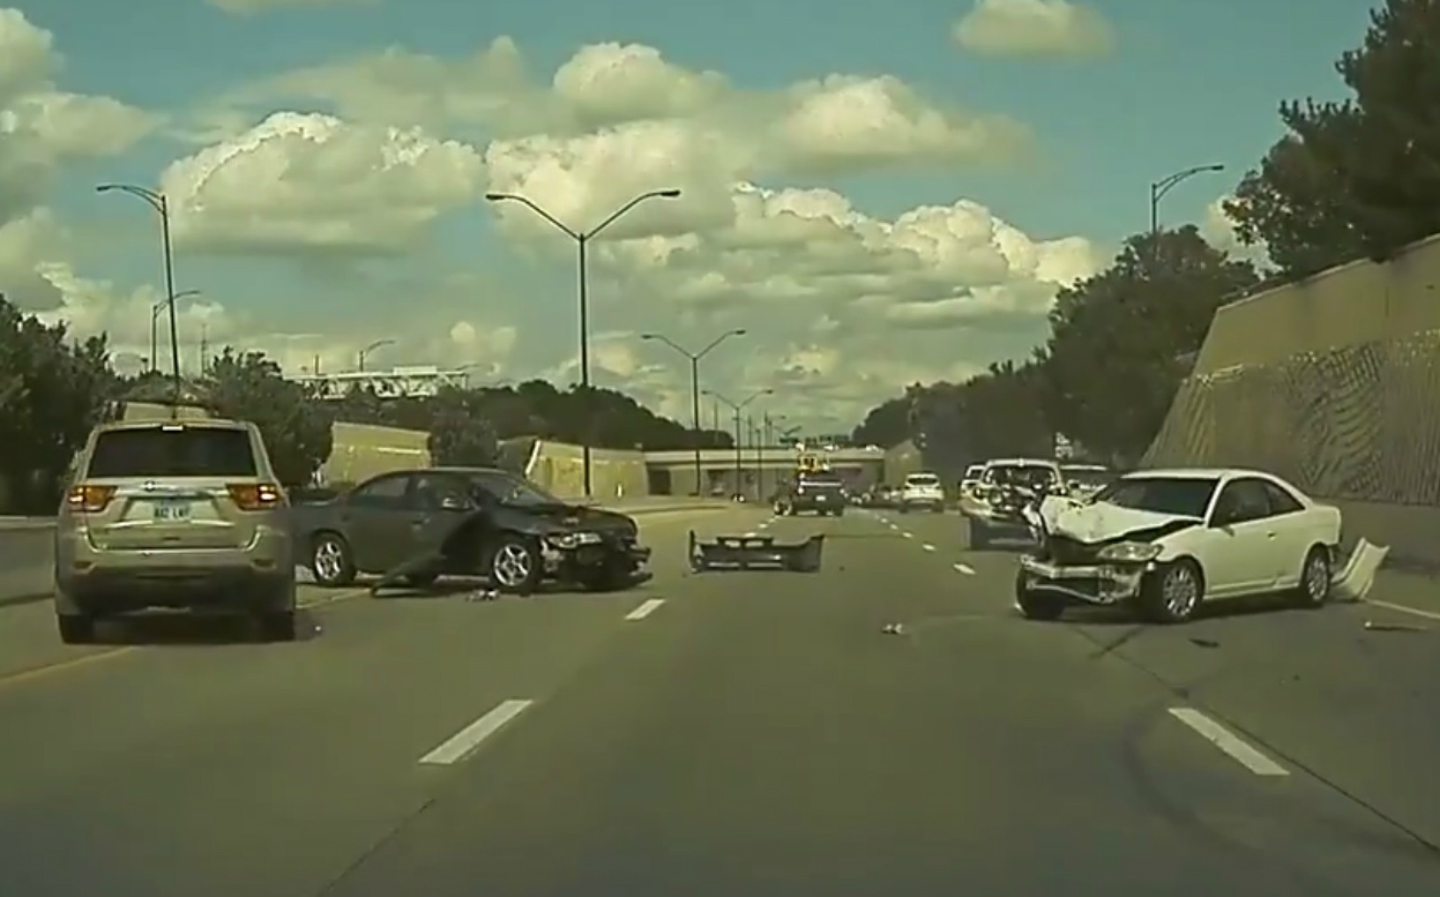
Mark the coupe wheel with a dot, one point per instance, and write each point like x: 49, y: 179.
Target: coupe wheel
x: 1173, y: 593
x: 1314, y: 588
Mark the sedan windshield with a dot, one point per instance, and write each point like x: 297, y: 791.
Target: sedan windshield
x: 512, y: 490
x: 1182, y: 496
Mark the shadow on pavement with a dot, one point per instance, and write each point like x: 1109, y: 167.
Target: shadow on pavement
x: 1222, y: 609
x: 160, y: 629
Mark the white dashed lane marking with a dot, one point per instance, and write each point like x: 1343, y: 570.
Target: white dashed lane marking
x: 645, y: 609
x: 1239, y: 750
x: 965, y: 568
x: 928, y: 547
x: 463, y: 743
x: 908, y: 535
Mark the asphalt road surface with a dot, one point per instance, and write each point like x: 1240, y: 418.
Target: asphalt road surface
x: 729, y: 734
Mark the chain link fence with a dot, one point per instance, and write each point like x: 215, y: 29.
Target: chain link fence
x: 1357, y: 423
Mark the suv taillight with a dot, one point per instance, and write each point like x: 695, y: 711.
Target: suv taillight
x: 89, y: 499
x: 255, y: 497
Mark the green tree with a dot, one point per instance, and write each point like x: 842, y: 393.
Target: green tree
x: 297, y: 431
x: 886, y: 425
x: 1115, y: 356
x: 1359, y: 177
x: 460, y: 435
x: 53, y: 390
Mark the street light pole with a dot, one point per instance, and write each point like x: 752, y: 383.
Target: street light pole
x: 738, y: 408
x: 1159, y: 188
x: 161, y: 205
x: 361, y: 355
x: 582, y: 240
x: 155, y: 314
x: 694, y: 386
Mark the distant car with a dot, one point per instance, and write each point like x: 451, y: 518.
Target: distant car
x: 820, y: 492
x: 1166, y: 540
x: 184, y: 513
x: 1007, y: 486
x: 418, y: 525
x: 922, y: 490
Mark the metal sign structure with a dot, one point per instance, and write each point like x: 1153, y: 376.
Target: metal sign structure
x: 399, y: 383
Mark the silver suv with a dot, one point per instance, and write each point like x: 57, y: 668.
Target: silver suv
x: 174, y: 514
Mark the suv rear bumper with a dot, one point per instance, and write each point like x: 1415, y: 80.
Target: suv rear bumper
x: 259, y: 577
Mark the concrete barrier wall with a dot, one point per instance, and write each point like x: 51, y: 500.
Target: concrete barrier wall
x: 560, y: 469
x: 362, y: 451
x: 1333, y: 382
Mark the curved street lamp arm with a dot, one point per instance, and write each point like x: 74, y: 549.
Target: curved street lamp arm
x: 717, y: 341
x: 1166, y: 184
x: 618, y: 213
x: 662, y: 338
x: 155, y: 198
x: 525, y: 201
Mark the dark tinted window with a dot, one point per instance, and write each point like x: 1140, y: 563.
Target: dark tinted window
x: 386, y: 492
x: 1241, y: 501
x: 509, y: 488
x: 820, y: 480
x: 1184, y: 496
x: 172, y: 451
x: 1281, y: 501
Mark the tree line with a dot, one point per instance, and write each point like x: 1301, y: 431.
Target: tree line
x: 1353, y: 179
x: 55, y: 389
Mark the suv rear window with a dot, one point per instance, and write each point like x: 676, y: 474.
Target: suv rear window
x: 922, y: 479
x: 171, y: 452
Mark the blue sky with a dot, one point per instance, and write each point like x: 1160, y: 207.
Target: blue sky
x: 1182, y: 84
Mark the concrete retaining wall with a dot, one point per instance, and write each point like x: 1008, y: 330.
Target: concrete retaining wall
x: 615, y: 475
x: 1333, y: 382
x: 362, y: 451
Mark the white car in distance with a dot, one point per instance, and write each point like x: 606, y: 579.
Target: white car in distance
x: 1167, y: 540
x: 922, y: 490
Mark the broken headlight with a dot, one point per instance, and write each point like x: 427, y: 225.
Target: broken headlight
x: 1130, y: 552
x: 566, y: 541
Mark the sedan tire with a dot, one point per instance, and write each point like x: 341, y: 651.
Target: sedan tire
x: 332, y: 561
x: 515, y: 566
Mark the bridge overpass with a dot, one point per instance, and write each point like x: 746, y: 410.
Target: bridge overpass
x: 673, y: 472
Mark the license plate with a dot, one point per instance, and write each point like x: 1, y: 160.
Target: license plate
x: 170, y: 511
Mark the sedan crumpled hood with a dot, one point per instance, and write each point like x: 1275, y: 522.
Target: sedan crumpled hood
x: 566, y: 518
x: 1104, y: 522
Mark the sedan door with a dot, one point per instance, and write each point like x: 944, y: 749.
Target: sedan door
x: 377, y: 520
x: 1243, y: 541
x: 439, y: 503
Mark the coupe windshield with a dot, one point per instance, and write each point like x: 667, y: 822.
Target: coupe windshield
x: 511, y: 489
x: 1183, y: 496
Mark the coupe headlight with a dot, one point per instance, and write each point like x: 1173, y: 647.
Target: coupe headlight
x: 1130, y: 552
x: 573, y: 540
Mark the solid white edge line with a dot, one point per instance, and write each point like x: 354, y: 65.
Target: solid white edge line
x: 463, y: 743
x: 645, y: 609
x: 928, y: 547
x: 1239, y: 750
x: 1404, y: 609
x: 965, y: 568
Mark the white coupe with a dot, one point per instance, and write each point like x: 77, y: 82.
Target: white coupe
x: 1169, y: 539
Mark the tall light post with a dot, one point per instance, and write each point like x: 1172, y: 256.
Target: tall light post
x: 694, y: 386
x: 1159, y: 188
x: 582, y: 240
x: 738, y: 408
x: 365, y: 352
x: 161, y: 205
x: 155, y: 315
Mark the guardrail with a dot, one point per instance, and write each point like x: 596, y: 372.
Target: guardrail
x: 27, y: 558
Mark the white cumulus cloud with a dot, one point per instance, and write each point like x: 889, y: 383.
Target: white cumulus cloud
x: 1035, y: 28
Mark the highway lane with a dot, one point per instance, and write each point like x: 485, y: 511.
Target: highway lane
x: 756, y: 734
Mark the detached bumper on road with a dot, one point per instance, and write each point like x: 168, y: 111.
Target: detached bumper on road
x: 1102, y: 584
